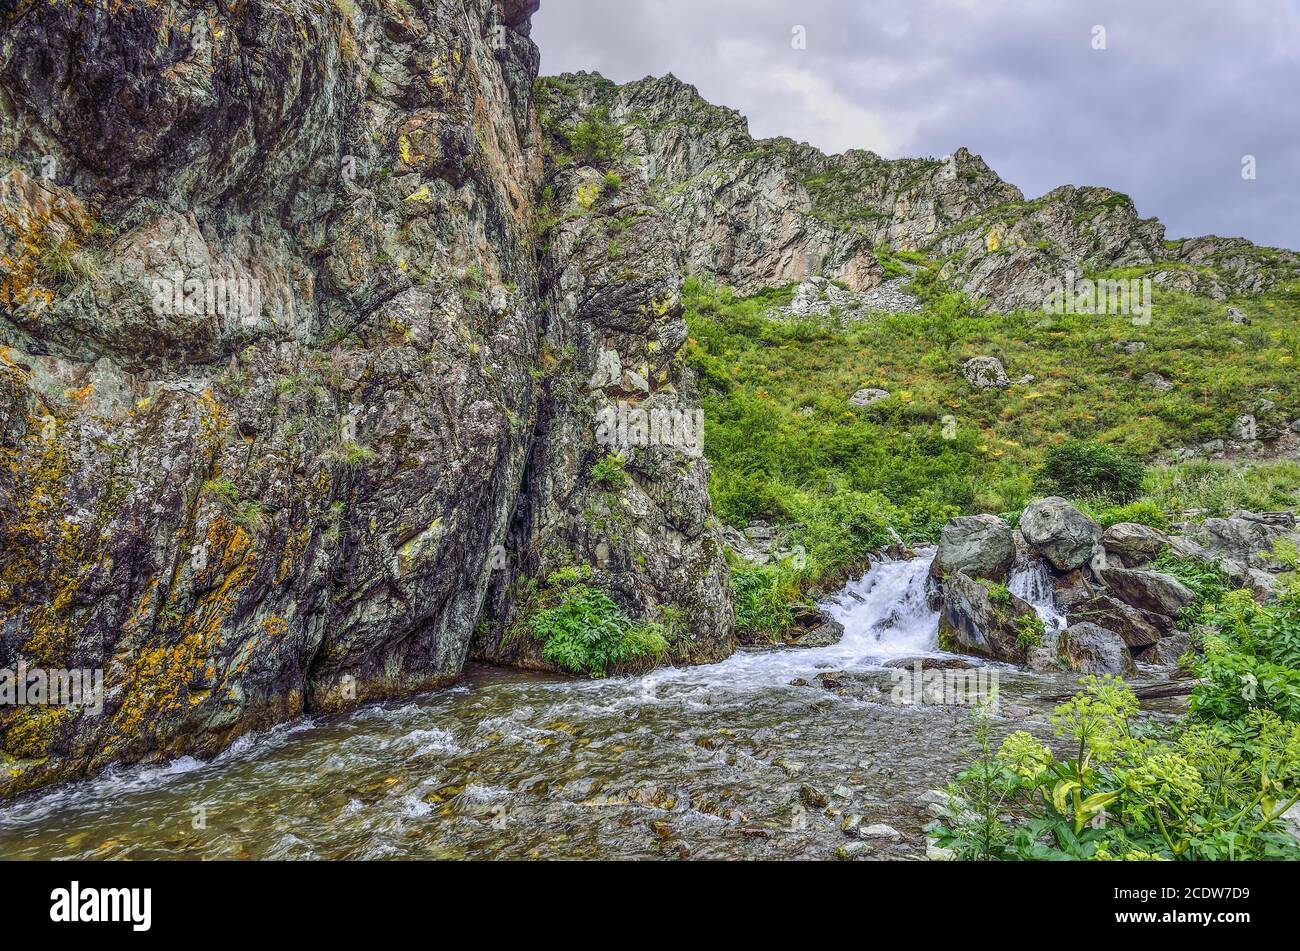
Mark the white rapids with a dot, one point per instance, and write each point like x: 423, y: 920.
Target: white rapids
x: 1031, y: 582
x: 885, y: 616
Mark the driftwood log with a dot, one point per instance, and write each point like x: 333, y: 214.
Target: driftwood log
x: 1172, y: 688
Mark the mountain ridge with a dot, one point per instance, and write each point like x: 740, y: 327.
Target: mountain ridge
x: 832, y: 211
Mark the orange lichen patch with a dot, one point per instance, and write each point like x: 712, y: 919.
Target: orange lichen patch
x: 294, y: 546
x: 32, y: 730
x: 42, y: 558
x: 19, y: 269
x: 81, y: 394
x: 158, y: 681
x: 214, y: 420
x: 41, y: 228
x: 14, y: 369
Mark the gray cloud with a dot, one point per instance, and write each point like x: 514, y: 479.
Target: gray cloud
x: 1183, y: 90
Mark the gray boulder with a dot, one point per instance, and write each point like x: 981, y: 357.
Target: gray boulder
x: 982, y: 546
x: 1133, y: 545
x: 1244, y: 537
x: 1091, y: 649
x: 1114, y: 615
x: 868, y: 396
x: 1060, y: 532
x: 1167, y: 651
x: 1151, y: 591
x: 985, y: 373
x: 971, y: 622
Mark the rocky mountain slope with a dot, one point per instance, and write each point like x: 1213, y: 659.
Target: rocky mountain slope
x: 761, y: 213
x: 290, y: 394
x: 337, y: 349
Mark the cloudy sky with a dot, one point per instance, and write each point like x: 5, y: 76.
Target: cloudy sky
x: 1181, y: 93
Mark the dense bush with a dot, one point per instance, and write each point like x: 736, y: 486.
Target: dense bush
x: 585, y: 632
x: 764, y: 598
x: 1207, y: 791
x: 595, y: 139
x: 1080, y: 469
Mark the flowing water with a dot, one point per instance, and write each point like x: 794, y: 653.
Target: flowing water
x: 761, y: 756
x: 1031, y: 581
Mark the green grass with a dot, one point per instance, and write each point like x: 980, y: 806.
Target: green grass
x: 785, y: 446
x: 778, y: 421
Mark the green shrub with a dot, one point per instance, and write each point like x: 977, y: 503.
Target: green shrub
x: 587, y: 633
x: 611, y: 471
x: 1206, y: 792
x: 1206, y: 580
x: 1080, y: 469
x: 1030, y: 631
x: 764, y: 597
x: 595, y: 139
x: 1141, y: 512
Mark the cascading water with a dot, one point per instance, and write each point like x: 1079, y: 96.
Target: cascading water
x: 1031, y: 582
x: 708, y: 761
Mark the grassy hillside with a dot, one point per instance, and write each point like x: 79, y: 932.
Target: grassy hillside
x: 786, y: 446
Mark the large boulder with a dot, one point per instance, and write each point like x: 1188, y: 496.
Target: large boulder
x: 1091, y: 649
x: 972, y: 622
x: 985, y: 373
x: 1114, y: 615
x: 1060, y: 532
x: 982, y: 546
x: 1151, y: 591
x: 1133, y: 545
x: 1245, y: 537
x: 1168, y: 650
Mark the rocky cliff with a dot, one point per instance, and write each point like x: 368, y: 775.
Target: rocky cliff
x: 292, y: 392
x: 760, y: 213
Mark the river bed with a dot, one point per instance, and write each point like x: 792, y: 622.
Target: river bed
x: 763, y: 756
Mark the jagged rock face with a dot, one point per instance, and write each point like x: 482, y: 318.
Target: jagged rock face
x: 971, y: 622
x: 760, y: 213
x: 270, y: 325
x: 619, y: 388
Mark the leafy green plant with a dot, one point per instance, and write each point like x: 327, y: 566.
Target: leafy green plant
x: 1208, y: 791
x: 977, y: 798
x: 595, y: 139
x: 1087, y: 469
x: 587, y: 633
x: 611, y: 471
x: 1030, y: 631
x: 764, y: 597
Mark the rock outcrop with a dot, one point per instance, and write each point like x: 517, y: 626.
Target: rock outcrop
x: 1102, y: 587
x: 759, y: 213
x: 1064, y: 535
x: 973, y: 621
x: 982, y: 546
x: 291, y: 392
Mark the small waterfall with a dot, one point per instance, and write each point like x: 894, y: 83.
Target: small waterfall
x: 1031, y: 581
x: 886, y: 611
